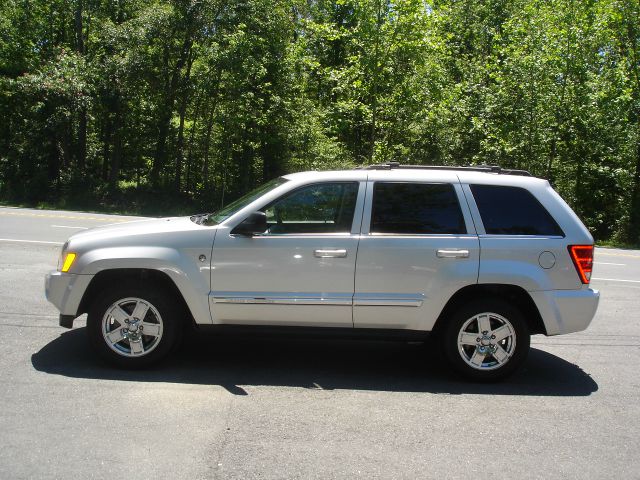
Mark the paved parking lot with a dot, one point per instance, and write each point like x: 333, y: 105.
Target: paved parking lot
x: 306, y: 409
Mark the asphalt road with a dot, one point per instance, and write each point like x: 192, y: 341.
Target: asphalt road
x: 306, y: 409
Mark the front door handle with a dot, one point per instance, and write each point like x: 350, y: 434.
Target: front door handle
x: 452, y: 253
x: 328, y: 253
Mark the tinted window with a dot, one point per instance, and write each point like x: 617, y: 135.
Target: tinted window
x: 416, y: 208
x: 513, y: 211
x: 319, y: 208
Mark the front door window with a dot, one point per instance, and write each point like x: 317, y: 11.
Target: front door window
x: 313, y: 209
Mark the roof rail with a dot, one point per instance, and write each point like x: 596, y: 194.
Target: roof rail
x: 474, y: 168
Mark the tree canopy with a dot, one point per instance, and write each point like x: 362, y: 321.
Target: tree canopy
x: 166, y: 106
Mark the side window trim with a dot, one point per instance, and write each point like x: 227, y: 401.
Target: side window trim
x: 469, y: 222
x: 357, y: 212
x: 471, y: 230
x: 473, y: 208
x: 368, y: 208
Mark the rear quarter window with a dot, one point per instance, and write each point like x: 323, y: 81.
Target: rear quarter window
x: 513, y: 211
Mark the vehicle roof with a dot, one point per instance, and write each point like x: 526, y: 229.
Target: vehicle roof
x: 409, y: 174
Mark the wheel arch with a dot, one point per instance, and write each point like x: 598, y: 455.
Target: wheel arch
x: 514, y: 294
x: 105, y: 278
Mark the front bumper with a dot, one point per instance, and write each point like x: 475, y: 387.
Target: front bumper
x: 566, y: 311
x: 65, y: 291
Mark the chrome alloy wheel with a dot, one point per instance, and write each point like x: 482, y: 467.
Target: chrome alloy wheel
x: 486, y: 341
x: 132, y: 327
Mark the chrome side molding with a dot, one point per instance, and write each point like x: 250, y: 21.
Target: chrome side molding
x: 278, y: 298
x: 388, y: 299
x: 357, y: 300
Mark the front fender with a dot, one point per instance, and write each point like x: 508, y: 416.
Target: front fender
x: 187, y: 273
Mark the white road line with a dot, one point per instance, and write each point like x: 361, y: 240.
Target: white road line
x: 615, y: 280
x: 600, y: 252
x: 84, y: 228
x: 18, y: 240
x: 75, y: 217
x: 607, y: 263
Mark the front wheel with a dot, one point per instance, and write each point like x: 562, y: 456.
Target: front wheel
x: 486, y: 340
x: 133, y: 326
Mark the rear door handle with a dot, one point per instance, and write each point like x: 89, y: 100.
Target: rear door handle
x: 328, y: 253
x: 452, y: 253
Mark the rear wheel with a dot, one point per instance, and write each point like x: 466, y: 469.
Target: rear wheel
x: 133, y: 326
x: 486, y: 340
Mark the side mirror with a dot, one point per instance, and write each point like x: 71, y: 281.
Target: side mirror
x: 252, y: 225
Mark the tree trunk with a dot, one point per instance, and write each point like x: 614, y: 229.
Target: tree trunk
x: 271, y: 151
x: 632, y: 33
x: 244, y: 160
x: 192, y: 136
x: 78, y: 25
x: 106, y: 143
x: 172, y: 77
x: 82, y: 140
x: 634, y: 213
x: 180, y: 146
x: 160, y: 157
x: 116, y: 154
x: 81, y: 147
x: 207, y: 143
x: 374, y: 86
x: 559, y: 118
x: 212, y: 108
x: 182, y: 113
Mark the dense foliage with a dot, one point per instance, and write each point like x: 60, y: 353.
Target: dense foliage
x: 158, y: 106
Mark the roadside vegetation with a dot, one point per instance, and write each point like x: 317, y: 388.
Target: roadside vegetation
x: 162, y: 107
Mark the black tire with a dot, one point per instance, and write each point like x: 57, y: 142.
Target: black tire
x: 481, y: 352
x: 160, y: 302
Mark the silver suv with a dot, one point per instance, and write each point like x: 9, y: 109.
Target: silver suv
x: 479, y: 257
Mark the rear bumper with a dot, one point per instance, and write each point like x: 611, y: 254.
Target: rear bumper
x: 65, y: 291
x: 566, y: 311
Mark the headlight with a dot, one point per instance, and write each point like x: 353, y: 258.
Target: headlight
x: 63, y: 254
x: 66, y: 258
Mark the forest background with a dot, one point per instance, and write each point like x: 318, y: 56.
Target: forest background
x: 166, y: 107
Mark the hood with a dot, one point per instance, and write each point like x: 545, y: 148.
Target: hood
x: 154, y: 231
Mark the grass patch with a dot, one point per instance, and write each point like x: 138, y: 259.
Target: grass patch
x: 130, y: 201
x: 617, y: 244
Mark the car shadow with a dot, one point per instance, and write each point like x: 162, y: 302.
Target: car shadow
x: 233, y: 362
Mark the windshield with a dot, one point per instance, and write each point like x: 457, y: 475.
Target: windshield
x: 225, y: 212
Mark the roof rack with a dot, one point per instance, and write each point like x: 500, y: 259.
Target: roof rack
x: 475, y: 168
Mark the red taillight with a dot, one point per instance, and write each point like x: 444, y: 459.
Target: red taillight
x: 582, y: 256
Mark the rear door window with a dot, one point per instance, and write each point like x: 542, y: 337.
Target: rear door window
x: 513, y: 211
x: 415, y: 208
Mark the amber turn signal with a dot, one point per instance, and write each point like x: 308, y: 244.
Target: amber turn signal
x: 68, y: 261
